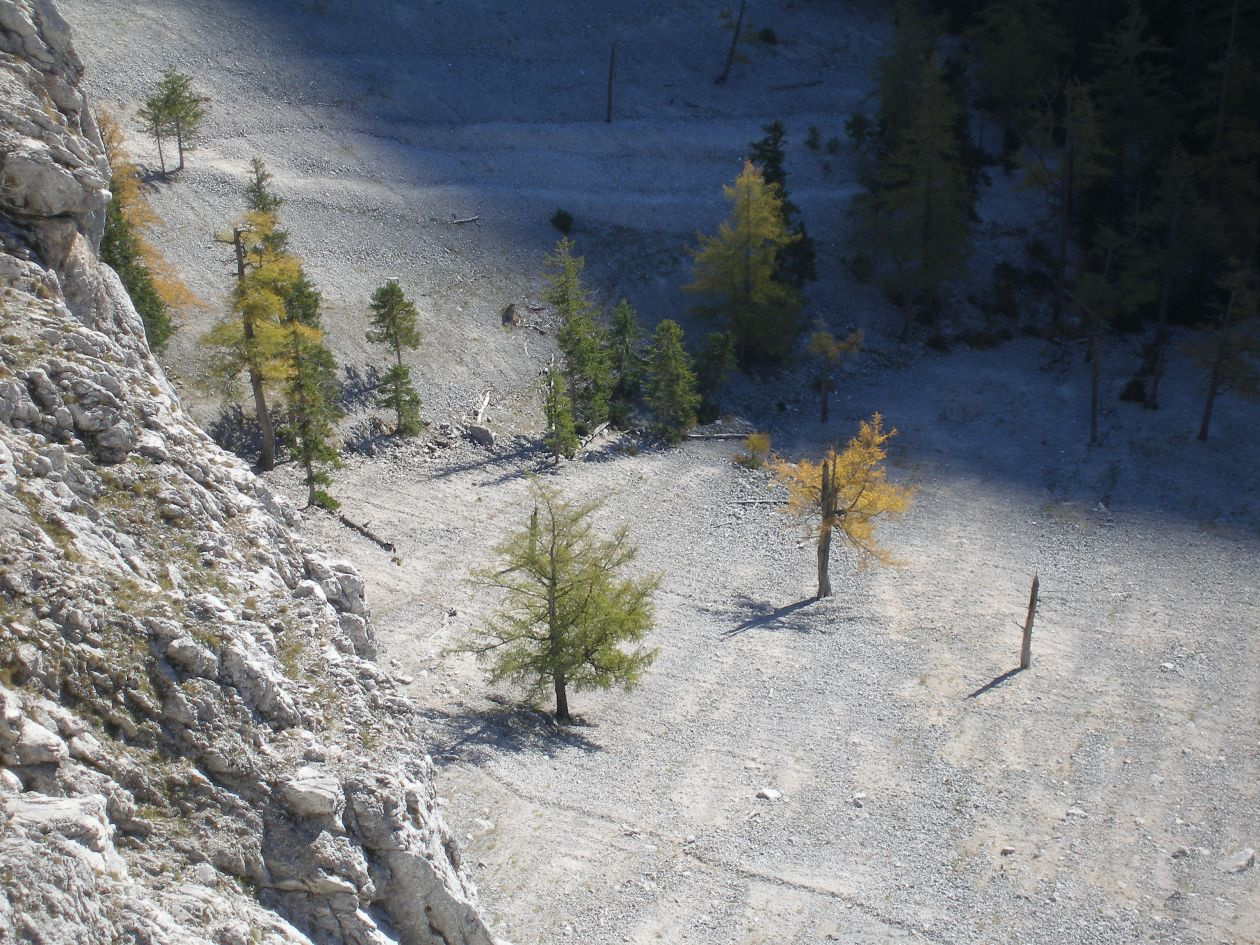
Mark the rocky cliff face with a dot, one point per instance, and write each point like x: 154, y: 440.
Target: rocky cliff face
x: 194, y: 743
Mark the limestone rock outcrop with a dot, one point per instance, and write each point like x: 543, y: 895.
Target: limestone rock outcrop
x: 195, y: 746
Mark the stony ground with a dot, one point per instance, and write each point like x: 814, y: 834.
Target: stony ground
x: 1117, y: 774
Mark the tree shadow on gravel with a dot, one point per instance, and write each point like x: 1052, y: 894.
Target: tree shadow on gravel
x: 996, y: 681
x: 765, y: 617
x: 476, y: 735
x: 358, y: 388
x: 515, y: 460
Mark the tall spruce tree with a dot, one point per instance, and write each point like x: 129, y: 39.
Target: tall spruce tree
x: 393, y: 318
x: 735, y: 271
x: 625, y: 356
x: 582, y: 339
x: 671, y: 384
x: 796, y: 263
x: 311, y: 392
x: 916, y: 220
x: 1229, y: 349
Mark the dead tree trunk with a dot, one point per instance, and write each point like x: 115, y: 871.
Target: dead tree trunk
x: 1025, y: 652
x: 730, y: 53
x: 827, y: 502
x: 612, y: 69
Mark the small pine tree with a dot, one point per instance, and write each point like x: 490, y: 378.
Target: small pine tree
x: 582, y: 339
x: 625, y: 355
x: 561, y: 438
x: 311, y: 392
x: 394, y: 324
x: 671, y: 385
x: 735, y: 270
x: 848, y: 491
x: 258, y: 194
x: 830, y: 352
x: 569, y: 619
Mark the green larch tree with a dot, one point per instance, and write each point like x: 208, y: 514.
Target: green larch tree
x: 796, y: 264
x: 393, y: 318
x: 174, y: 108
x: 570, y: 618
x: 671, y: 384
x: 735, y: 272
x: 1068, y: 157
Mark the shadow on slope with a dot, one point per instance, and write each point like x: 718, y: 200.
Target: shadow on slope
x: 475, y: 736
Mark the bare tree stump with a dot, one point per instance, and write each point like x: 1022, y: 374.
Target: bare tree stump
x: 1025, y: 653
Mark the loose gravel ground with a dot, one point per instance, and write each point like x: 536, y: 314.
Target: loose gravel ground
x: 925, y: 794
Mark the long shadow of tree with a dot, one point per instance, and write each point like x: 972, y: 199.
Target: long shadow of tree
x: 476, y: 735
x: 358, y: 386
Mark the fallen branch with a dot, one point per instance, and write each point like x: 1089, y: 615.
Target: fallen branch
x: 481, y: 410
x: 760, y: 502
x: 367, y: 533
x: 590, y: 439
x: 715, y: 436
x: 473, y: 219
x: 795, y: 85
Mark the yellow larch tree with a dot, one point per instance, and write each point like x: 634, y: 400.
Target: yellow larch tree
x: 848, y: 491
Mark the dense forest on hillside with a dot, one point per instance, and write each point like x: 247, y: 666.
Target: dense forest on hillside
x: 1140, y: 122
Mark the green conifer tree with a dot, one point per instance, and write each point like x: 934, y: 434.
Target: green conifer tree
x: 561, y: 438
x: 570, y: 618
x: 796, y: 263
x: 735, y: 271
x: 121, y: 250
x: 174, y: 108
x: 393, y: 319
x: 625, y: 355
x: 582, y: 339
x: 671, y: 384
x: 916, y: 221
x: 311, y: 392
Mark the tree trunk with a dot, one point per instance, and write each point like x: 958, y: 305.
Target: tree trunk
x: 157, y: 134
x: 562, y: 698
x: 398, y: 392
x: 730, y: 53
x: 827, y: 495
x: 1095, y: 345
x: 1161, y: 322
x: 612, y: 68
x: 824, y: 561
x: 1065, y: 221
x: 266, y: 432
x: 1214, y: 383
